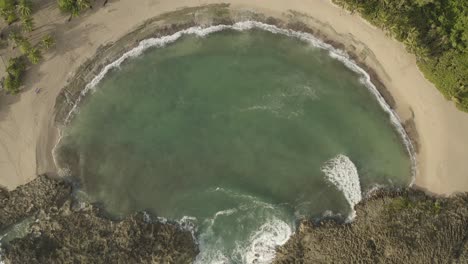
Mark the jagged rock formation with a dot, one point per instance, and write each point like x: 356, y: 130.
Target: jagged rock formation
x: 80, y: 233
x: 390, y: 227
x: 42, y: 193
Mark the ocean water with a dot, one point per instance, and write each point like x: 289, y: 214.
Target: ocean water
x: 236, y: 135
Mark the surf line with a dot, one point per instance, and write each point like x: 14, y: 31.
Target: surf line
x: 337, y: 54
x: 242, y: 26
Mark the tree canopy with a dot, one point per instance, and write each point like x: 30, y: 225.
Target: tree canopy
x: 73, y: 7
x: 11, y: 10
x: 436, y: 31
x: 15, y: 70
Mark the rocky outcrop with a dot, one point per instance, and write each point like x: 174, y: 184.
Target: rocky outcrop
x: 81, y: 233
x: 85, y: 237
x: 390, y: 227
x: 42, y: 193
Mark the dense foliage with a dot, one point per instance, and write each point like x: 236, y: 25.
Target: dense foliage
x: 15, y: 70
x: 73, y: 7
x: 32, y: 53
x: 47, y: 42
x: 436, y: 31
x: 11, y: 10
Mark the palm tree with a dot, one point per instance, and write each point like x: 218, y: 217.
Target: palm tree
x: 34, y: 55
x: 9, y: 14
x: 83, y: 4
x: 67, y: 6
x: 73, y: 6
x: 15, y: 67
x: 411, y: 40
x: 24, y: 8
x: 47, y: 42
x: 28, y: 24
x: 15, y: 37
x: 25, y: 46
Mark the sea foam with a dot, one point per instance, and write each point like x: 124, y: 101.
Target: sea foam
x: 342, y: 172
x: 258, y: 247
x: 263, y: 243
x: 247, y: 25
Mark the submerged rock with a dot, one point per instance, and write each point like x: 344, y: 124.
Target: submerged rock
x: 390, y: 227
x: 82, y: 234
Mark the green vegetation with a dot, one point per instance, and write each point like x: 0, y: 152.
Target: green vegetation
x: 15, y: 70
x: 34, y: 55
x: 405, y: 203
x: 27, y: 23
x: 74, y: 7
x: 16, y: 66
x: 26, y: 48
x: 47, y: 42
x: 15, y: 38
x: 11, y: 10
x: 7, y: 11
x: 436, y: 31
x: 24, y: 8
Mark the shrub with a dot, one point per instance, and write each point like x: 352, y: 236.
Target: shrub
x: 34, y: 55
x: 73, y: 7
x: 15, y: 70
x: 24, y: 8
x: 436, y: 31
x: 27, y: 23
x: 47, y: 42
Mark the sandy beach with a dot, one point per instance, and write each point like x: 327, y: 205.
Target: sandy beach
x: 27, y: 128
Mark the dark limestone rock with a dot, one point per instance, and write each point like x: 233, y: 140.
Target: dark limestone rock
x: 390, y: 227
x: 81, y: 233
x: 43, y: 193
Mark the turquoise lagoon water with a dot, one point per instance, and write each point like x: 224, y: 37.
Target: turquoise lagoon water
x: 236, y: 134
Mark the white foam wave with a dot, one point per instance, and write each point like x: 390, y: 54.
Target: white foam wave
x: 210, y: 251
x: 263, y: 243
x: 374, y: 188
x: 342, y: 172
x: 1, y: 254
x: 247, y: 25
x: 210, y: 256
x: 272, y: 231
x: 258, y: 247
x: 225, y: 212
x: 188, y: 223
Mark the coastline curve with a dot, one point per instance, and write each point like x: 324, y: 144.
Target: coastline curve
x: 157, y: 42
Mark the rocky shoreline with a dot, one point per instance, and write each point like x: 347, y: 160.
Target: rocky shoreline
x: 69, y: 231
x: 391, y: 226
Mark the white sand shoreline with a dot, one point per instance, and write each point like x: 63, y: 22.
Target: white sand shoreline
x: 441, y: 127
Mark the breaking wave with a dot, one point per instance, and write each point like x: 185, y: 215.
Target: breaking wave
x: 263, y: 243
x: 259, y: 246
x: 247, y: 25
x: 342, y: 173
